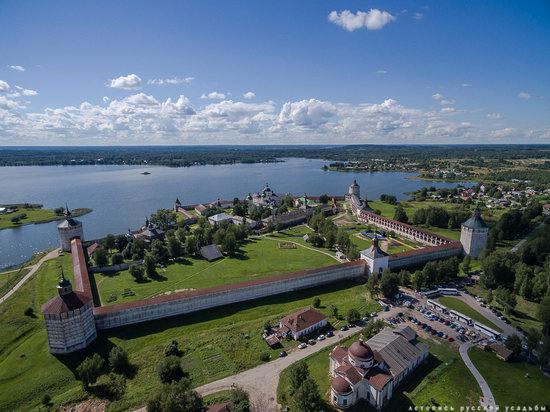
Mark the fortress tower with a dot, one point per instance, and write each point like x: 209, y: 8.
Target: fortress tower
x: 69, y: 229
x: 69, y: 317
x: 354, y: 189
x: 473, y: 235
x: 377, y: 260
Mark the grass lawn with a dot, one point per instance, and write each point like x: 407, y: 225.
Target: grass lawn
x: 464, y: 308
x: 35, y: 215
x: 508, y: 383
x: 9, y: 279
x: 257, y: 258
x: 443, y: 378
x: 215, y: 343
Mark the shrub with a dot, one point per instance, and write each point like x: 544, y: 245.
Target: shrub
x: 116, y: 386
x: 46, y: 400
x: 170, y: 369
x: 117, y: 259
x: 172, y: 349
x: 29, y: 312
x: 264, y: 357
x: 316, y: 302
x: 137, y: 272
x: 90, y: 369
x: 118, y: 360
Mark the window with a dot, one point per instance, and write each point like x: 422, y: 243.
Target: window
x: 344, y: 402
x: 335, y: 398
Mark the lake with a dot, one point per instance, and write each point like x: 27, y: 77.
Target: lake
x: 121, y: 197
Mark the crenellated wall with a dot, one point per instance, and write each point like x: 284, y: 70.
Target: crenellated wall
x: 113, y: 316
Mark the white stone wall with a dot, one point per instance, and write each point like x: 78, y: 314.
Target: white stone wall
x: 402, y: 262
x: 70, y: 331
x: 193, y: 304
x: 68, y: 233
x: 473, y: 241
x: 376, y: 266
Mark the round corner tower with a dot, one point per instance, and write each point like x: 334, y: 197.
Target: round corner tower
x: 473, y: 235
x: 69, y: 229
x: 70, y: 323
x: 354, y: 189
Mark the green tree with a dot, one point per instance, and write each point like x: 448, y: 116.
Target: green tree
x: 544, y: 314
x: 118, y: 360
x: 489, y: 297
x: 117, y: 259
x: 170, y: 369
x: 372, y: 285
x: 532, y: 341
x: 389, y: 284
x: 116, y: 386
x: 46, y: 400
x: 137, y: 272
x: 297, y: 373
x: 150, y: 265
x: 89, y: 370
x: 420, y: 280
x: 506, y: 298
x: 176, y: 396
x: 316, y: 302
x: 101, y: 258
x: 109, y: 242
x: 159, y: 250
x: 175, y: 249
x: 229, y: 244
x: 240, y: 401
x: 333, y: 311
x: 164, y: 219
x: 138, y: 249
x: 513, y: 343
x: 466, y: 264
x: 307, y: 397
x: 353, y: 316
x: 400, y: 215
x: 373, y: 328
x: 181, y: 233
x: 191, y: 246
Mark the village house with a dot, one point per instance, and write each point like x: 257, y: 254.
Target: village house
x: 302, y: 323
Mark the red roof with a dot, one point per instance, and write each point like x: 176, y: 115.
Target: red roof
x: 378, y: 378
x: 215, y: 289
x: 302, y: 319
x: 80, y: 270
x: 220, y: 407
x: 340, y: 385
x: 339, y: 353
x: 360, y: 350
x: 65, y: 303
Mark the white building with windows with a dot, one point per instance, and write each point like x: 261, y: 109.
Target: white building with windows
x: 302, y: 323
x: 372, y: 370
x: 377, y: 260
x: 69, y: 229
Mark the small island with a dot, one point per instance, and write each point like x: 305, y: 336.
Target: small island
x: 19, y: 214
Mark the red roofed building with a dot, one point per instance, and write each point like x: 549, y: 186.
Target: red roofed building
x: 302, y: 322
x: 372, y: 370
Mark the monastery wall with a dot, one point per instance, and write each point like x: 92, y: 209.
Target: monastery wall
x: 420, y: 256
x: 113, y: 316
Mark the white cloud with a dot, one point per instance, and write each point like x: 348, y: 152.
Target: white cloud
x: 144, y: 119
x: 17, y: 67
x: 106, y: 99
x: 443, y: 101
x: 214, y: 96
x: 374, y: 19
x: 132, y: 81
x: 27, y: 92
x: 4, y: 87
x: 418, y: 16
x: 465, y: 85
x: 524, y: 96
x: 249, y: 95
x: 438, y: 96
x: 172, y: 80
x: 381, y: 72
x: 494, y: 116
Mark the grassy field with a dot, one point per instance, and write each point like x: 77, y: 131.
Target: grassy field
x: 257, y: 258
x: 508, y: 382
x: 464, y: 308
x: 525, y: 313
x: 215, y: 343
x: 35, y: 215
x: 443, y: 380
x: 10, y: 278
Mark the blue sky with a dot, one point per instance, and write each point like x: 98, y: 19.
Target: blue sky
x: 319, y: 72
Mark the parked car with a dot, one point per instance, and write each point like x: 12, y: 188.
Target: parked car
x: 282, y: 354
x: 302, y: 346
x: 330, y: 334
x: 344, y: 328
x: 321, y: 337
x: 312, y: 342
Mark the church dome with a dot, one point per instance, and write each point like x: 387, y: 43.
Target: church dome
x: 361, y: 351
x: 340, y: 385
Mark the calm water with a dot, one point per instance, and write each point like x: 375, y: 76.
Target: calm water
x: 121, y: 196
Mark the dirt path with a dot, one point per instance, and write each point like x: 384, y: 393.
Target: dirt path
x: 51, y: 255
x: 488, y: 400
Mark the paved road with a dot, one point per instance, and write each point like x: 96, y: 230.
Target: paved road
x: 51, y: 255
x: 261, y: 382
x: 487, y: 400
